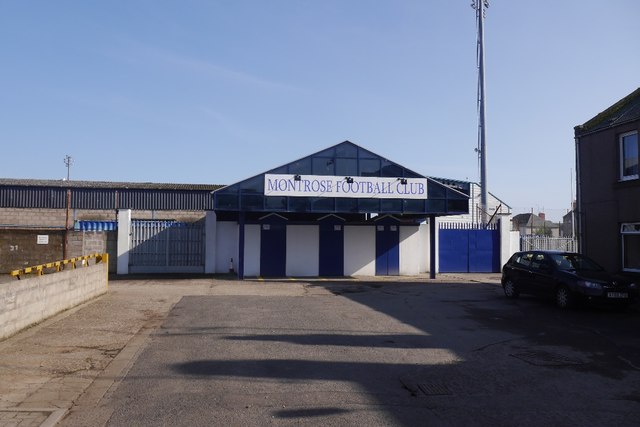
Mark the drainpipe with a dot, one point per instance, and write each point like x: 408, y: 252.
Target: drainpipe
x: 117, y: 201
x: 65, y: 249
x: 577, y: 215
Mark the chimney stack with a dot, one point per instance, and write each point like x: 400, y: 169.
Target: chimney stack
x: 542, y: 216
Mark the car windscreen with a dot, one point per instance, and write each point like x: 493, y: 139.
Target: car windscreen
x: 574, y: 262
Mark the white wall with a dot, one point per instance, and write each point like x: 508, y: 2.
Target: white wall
x: 509, y: 240
x: 251, y: 250
x: 425, y: 247
x: 515, y: 242
x: 303, y: 250
x: 411, y: 250
x: 359, y: 250
x: 504, y: 228
x: 226, y: 246
x: 124, y: 240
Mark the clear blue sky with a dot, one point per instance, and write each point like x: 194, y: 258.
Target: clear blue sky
x: 217, y: 91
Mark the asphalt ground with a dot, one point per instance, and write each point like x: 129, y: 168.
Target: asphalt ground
x: 451, y: 352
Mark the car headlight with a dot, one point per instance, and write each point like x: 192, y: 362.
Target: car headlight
x: 590, y: 285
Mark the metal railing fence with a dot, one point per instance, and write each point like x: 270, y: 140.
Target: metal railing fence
x: 530, y: 243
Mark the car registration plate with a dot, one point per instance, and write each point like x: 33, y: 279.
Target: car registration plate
x: 617, y: 295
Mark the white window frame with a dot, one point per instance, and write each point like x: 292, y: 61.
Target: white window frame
x: 628, y: 229
x: 621, y: 145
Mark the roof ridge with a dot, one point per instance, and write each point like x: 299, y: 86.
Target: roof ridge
x: 592, y: 124
x: 25, y: 182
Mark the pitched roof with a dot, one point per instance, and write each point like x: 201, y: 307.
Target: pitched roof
x: 623, y: 111
x: 343, y: 159
x: 10, y: 182
x: 464, y: 187
x: 534, y: 221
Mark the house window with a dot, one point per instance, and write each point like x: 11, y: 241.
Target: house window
x: 630, y: 246
x: 629, y: 156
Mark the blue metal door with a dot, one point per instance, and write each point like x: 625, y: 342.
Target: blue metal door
x: 484, y: 251
x: 387, y: 250
x: 465, y: 248
x: 273, y: 250
x: 331, y: 249
x: 453, y: 251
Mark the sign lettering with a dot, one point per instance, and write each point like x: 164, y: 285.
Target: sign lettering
x: 342, y: 186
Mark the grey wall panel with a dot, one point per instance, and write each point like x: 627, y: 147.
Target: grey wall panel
x: 105, y: 199
x: 32, y: 197
x: 166, y: 200
x: 93, y: 199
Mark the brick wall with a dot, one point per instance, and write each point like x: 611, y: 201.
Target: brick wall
x: 42, y: 218
x: 99, y: 242
x: 112, y: 250
x: 75, y: 245
x: 20, y: 248
x: 19, y: 229
x: 55, y: 218
x: 35, y: 298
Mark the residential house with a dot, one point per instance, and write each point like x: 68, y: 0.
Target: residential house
x: 608, y: 185
x: 567, y: 227
x: 530, y: 224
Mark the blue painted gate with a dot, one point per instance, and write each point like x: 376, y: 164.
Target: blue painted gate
x: 469, y: 248
x: 387, y: 250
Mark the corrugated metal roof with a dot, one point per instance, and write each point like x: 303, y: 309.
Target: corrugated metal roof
x: 87, y: 198
x: 96, y: 225
x: 462, y: 186
x: 165, y: 200
x: 17, y: 193
x: 15, y: 197
x: 106, y: 184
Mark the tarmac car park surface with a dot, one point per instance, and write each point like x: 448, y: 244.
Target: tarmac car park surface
x: 451, y: 351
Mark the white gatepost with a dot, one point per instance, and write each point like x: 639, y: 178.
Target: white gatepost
x: 437, y: 237
x: 424, y: 247
x: 506, y: 249
x: 124, y: 240
x: 210, y: 236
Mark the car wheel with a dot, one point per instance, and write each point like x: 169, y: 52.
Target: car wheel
x: 564, y: 298
x: 510, y: 289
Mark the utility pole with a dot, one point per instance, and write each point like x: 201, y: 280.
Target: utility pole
x: 573, y: 211
x: 480, y: 6
x: 68, y: 161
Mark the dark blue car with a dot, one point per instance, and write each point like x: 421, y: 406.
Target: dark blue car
x: 565, y: 276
